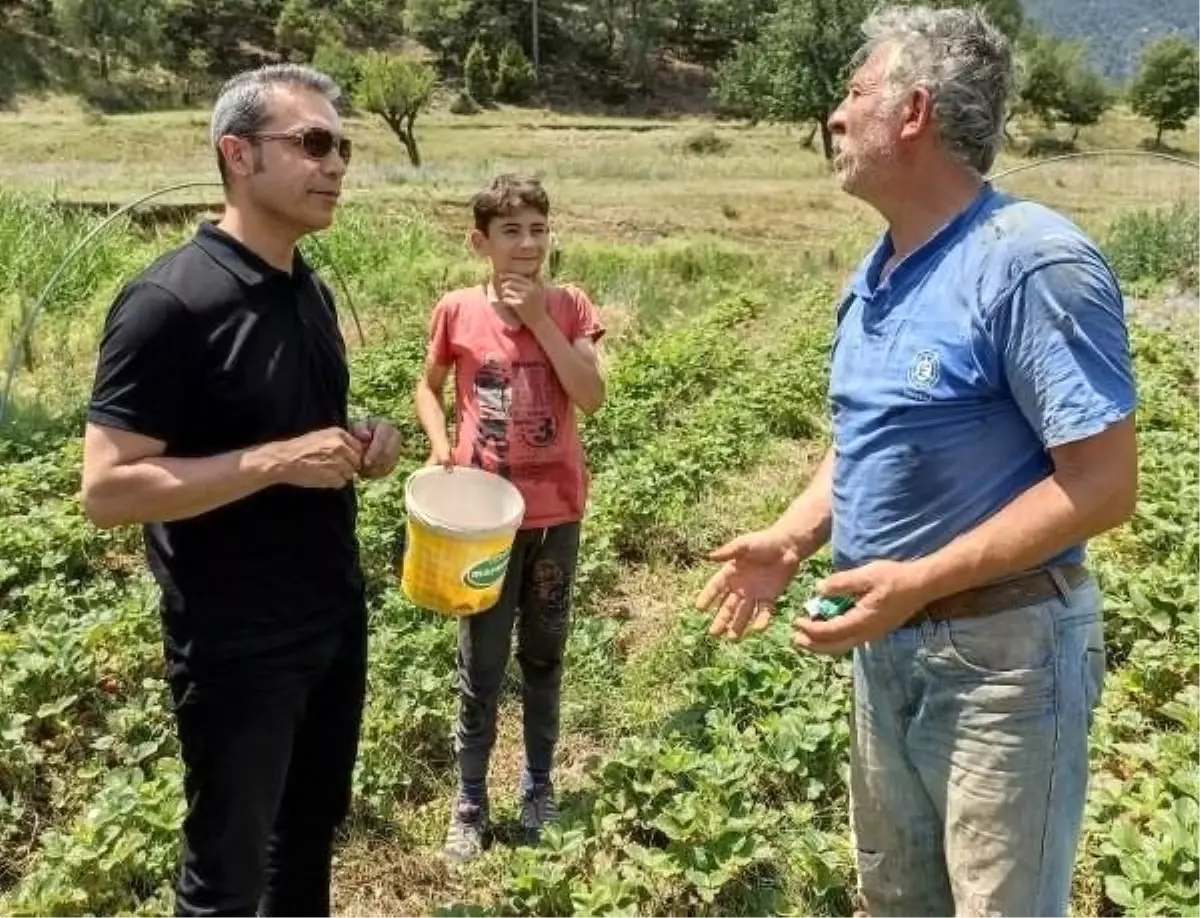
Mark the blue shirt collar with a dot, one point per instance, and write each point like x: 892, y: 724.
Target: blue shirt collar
x: 866, y: 282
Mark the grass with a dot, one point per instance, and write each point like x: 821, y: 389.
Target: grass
x: 715, y: 272
x: 624, y: 178
x: 1157, y: 246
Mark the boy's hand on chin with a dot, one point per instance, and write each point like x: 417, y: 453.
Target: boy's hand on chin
x: 525, y: 296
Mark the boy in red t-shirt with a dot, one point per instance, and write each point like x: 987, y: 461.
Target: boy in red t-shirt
x: 524, y: 357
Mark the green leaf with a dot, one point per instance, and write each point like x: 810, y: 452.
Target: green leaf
x: 54, y: 708
x: 1118, y: 890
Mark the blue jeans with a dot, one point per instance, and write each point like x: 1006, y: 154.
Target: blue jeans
x: 969, y: 759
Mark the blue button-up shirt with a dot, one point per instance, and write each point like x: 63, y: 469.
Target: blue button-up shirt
x: 1000, y: 338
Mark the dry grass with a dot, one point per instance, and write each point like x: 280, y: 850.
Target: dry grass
x: 622, y: 178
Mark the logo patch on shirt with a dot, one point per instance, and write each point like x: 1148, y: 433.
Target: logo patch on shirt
x: 925, y: 370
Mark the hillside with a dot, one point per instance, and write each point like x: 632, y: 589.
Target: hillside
x: 1115, y: 31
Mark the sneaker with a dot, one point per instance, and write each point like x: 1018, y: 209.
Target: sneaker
x: 464, y: 838
x: 538, y: 810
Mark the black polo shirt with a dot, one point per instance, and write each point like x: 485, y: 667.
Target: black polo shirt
x: 212, y: 349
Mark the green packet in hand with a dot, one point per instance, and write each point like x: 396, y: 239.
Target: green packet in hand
x: 824, y: 608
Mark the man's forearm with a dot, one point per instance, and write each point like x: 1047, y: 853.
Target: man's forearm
x: 581, y: 379
x: 808, y: 522
x: 161, y: 489
x: 1056, y: 513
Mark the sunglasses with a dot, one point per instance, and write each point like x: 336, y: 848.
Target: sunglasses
x: 316, y: 142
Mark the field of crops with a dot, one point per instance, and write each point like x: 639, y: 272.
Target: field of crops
x: 697, y: 778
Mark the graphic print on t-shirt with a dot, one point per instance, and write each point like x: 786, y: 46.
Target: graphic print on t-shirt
x: 493, y: 395
x: 535, y: 418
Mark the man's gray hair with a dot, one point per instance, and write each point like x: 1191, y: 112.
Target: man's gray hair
x: 242, y: 105
x: 964, y: 62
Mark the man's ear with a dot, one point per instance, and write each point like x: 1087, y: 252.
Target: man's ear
x: 237, y: 153
x: 918, y: 113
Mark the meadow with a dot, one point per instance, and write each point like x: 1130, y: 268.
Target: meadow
x: 696, y: 777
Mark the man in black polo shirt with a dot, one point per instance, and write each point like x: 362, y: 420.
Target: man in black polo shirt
x: 219, y: 420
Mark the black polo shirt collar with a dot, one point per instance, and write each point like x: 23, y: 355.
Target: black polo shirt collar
x: 241, y: 261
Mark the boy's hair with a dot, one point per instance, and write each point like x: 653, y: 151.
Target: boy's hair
x: 504, y: 195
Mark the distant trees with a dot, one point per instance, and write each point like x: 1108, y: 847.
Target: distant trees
x: 778, y: 60
x: 25, y: 54
x: 477, y: 74
x: 1167, y: 87
x: 514, y: 75
x: 1057, y: 86
x: 302, y: 27
x: 512, y: 78
x: 1117, y: 33
x: 111, y: 28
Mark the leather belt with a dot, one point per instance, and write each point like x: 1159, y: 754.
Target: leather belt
x: 1016, y: 592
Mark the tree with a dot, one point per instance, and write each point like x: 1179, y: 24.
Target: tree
x: 207, y: 40
x: 1117, y: 32
x: 1167, y: 86
x: 797, y: 69
x: 1087, y: 98
x: 1056, y: 85
x: 477, y: 71
x: 514, y: 75
x: 646, y: 22
x: 1045, y: 70
x: 710, y: 31
x: 452, y: 26
x: 25, y: 52
x: 339, y: 63
x: 301, y: 28
x: 109, y: 27
x: 370, y: 23
x: 396, y: 89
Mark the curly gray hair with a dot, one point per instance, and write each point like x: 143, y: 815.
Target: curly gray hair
x: 241, y: 106
x: 964, y: 62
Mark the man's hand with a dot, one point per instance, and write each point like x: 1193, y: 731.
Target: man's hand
x: 886, y: 593
x: 758, y: 568
x: 525, y: 296
x: 326, y: 458
x: 381, y: 445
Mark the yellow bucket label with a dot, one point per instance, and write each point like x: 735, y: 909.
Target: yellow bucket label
x: 487, y: 572
x: 453, y: 576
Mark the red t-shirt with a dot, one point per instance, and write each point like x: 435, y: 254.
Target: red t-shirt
x: 512, y: 415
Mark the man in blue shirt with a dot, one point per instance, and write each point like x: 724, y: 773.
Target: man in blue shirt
x: 983, y: 399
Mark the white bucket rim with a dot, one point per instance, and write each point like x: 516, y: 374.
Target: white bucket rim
x: 431, y: 521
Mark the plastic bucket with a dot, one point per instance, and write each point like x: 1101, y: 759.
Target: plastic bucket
x: 458, y: 538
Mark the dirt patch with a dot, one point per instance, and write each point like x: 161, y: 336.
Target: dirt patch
x: 1171, y: 313
x: 1176, y: 315
x: 147, y: 216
